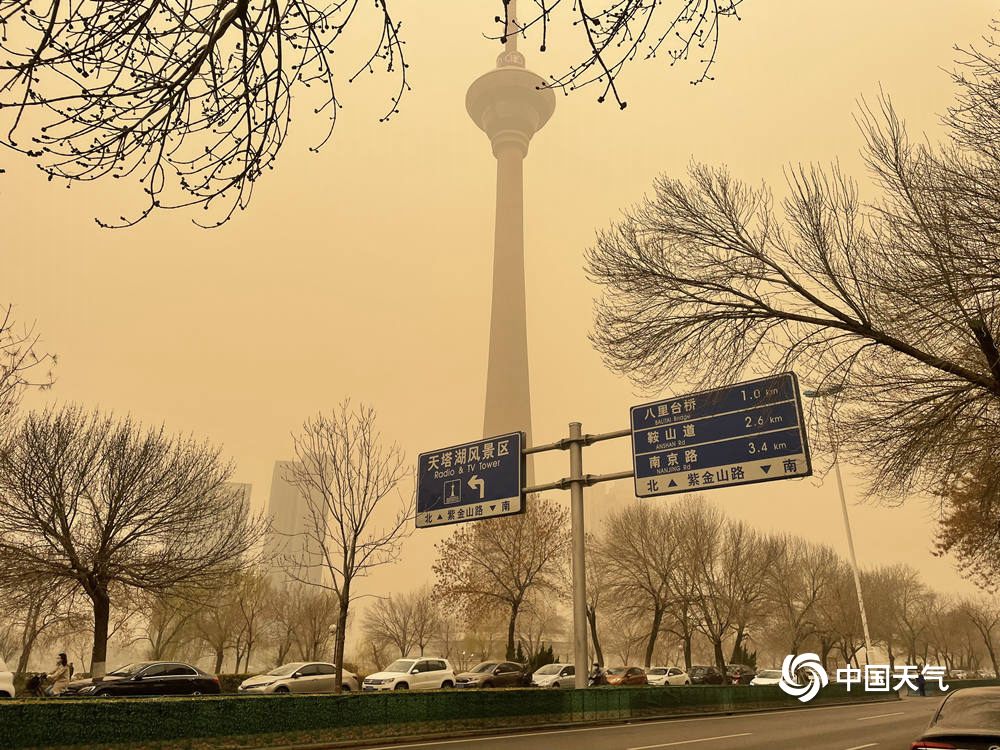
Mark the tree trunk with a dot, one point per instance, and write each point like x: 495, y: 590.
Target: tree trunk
x: 220, y: 654
x: 687, y: 652
x: 740, y: 635
x: 511, y: 628
x: 720, y: 658
x: 592, y: 619
x: 102, y: 618
x: 654, y: 631
x: 338, y: 641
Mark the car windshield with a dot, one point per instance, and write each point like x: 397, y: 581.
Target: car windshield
x: 699, y: 670
x: 401, y: 665
x: 550, y: 669
x: 770, y: 674
x: 286, y: 669
x: 616, y: 670
x: 486, y: 666
x: 656, y: 670
x: 970, y: 710
x: 131, y: 669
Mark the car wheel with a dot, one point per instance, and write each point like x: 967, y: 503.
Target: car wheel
x: 401, y: 686
x: 447, y: 684
x: 196, y: 692
x: 103, y: 694
x: 555, y: 684
x: 687, y: 682
x: 487, y: 684
x: 281, y: 689
x: 4, y: 694
x: 345, y: 688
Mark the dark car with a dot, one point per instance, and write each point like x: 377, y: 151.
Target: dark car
x: 148, y: 678
x: 706, y: 676
x: 626, y: 676
x: 494, y: 674
x: 740, y: 674
x: 968, y: 718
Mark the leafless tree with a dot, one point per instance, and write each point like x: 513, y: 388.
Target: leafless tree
x: 252, y: 594
x: 598, y: 598
x: 406, y: 621
x: 389, y: 620
x: 33, y: 612
x: 357, y: 515
x: 802, y: 575
x: 106, y: 504
x: 495, y: 564
x: 893, y: 303
x: 168, y: 626
x: 641, y: 550
x: 195, y: 99
x: 984, y: 614
x: 969, y: 521
x: 22, y: 363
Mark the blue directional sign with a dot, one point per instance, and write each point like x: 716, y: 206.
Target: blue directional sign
x: 471, y: 482
x: 749, y: 432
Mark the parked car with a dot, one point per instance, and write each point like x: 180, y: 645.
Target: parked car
x: 968, y: 718
x: 701, y: 675
x: 6, y: 681
x: 494, y: 674
x: 148, y: 678
x: 555, y: 676
x: 667, y: 676
x: 300, y: 677
x: 739, y: 674
x: 625, y: 676
x: 767, y: 677
x: 412, y: 674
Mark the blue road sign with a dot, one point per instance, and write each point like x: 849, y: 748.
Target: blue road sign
x: 748, y: 432
x: 471, y: 482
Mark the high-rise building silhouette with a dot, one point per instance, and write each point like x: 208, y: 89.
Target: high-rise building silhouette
x: 510, y: 104
x: 292, y: 547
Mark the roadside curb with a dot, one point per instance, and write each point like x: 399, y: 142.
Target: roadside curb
x: 475, y: 733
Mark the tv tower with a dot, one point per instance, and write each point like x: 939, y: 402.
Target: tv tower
x: 510, y: 104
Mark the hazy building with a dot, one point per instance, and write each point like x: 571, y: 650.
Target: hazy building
x: 510, y: 104
x: 291, y: 545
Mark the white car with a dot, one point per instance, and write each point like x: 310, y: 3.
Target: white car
x: 555, y: 676
x: 667, y: 676
x: 300, y: 677
x: 767, y: 677
x: 6, y: 681
x: 412, y: 674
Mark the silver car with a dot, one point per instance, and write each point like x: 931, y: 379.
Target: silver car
x: 555, y: 676
x: 667, y: 676
x: 300, y: 677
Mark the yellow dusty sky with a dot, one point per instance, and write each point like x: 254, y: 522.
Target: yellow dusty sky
x: 364, y: 271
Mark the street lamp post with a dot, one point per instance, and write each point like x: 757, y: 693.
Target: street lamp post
x: 847, y: 529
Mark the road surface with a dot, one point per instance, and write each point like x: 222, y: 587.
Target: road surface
x: 879, y: 726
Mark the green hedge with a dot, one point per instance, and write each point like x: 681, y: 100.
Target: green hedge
x: 47, y: 723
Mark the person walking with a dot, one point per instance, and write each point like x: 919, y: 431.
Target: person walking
x: 59, y: 677
x: 922, y: 684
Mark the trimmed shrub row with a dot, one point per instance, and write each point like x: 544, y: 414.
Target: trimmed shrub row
x: 47, y: 723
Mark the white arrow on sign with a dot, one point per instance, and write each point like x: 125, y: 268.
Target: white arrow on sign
x: 474, y: 482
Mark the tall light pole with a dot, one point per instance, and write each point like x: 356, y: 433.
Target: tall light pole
x: 510, y: 104
x: 823, y: 393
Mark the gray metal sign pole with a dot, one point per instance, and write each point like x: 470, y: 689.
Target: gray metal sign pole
x: 575, y: 483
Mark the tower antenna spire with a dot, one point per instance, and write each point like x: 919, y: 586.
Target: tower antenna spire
x: 512, y: 29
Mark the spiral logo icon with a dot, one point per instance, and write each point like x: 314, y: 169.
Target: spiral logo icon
x: 794, y: 665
